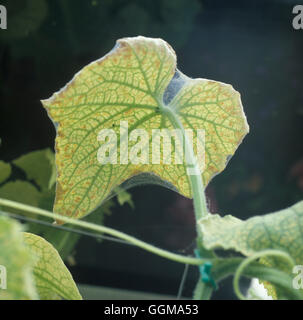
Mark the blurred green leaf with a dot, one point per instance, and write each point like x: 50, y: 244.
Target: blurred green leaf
x: 39, y: 166
x: 5, y: 171
x: 123, y: 197
x: 21, y: 191
x: 18, y: 262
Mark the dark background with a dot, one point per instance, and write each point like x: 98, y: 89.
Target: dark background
x: 249, y: 44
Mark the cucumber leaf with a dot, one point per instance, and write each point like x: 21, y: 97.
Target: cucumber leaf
x: 52, y: 278
x: 33, y: 268
x: 135, y: 83
x: 16, y: 263
x: 282, y: 230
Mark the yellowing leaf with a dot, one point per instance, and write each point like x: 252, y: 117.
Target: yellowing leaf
x: 136, y: 83
x: 16, y: 263
x: 52, y: 278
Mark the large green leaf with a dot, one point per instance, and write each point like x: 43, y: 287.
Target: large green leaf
x: 52, y: 278
x: 17, y: 261
x: 136, y: 83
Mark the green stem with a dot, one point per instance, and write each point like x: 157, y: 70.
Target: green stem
x: 102, y: 229
x: 195, y: 179
x: 203, y: 291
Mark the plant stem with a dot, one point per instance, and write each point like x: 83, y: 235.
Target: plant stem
x: 192, y: 164
x: 197, y: 188
x: 203, y: 291
x: 250, y: 259
x: 102, y: 229
x: 224, y: 267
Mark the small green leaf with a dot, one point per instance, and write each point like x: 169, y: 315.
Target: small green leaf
x: 5, y: 171
x: 52, y: 278
x: 17, y: 261
x: 137, y: 82
x: 21, y: 191
x: 124, y: 197
x: 39, y: 166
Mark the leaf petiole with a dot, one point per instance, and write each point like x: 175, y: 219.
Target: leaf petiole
x: 102, y: 229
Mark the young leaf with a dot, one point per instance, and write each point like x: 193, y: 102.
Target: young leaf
x: 137, y: 82
x: 52, y: 278
x: 17, y: 281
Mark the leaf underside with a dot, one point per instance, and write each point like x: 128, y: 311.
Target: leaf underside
x: 131, y: 84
